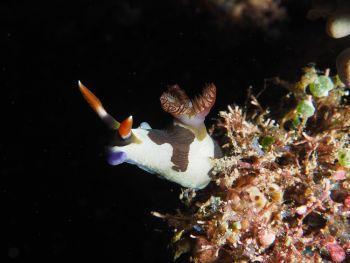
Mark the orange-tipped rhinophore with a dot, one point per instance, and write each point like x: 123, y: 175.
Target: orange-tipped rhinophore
x: 93, y: 101
x: 125, y: 128
x: 96, y: 105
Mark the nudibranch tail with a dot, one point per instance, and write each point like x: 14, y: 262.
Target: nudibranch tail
x: 125, y: 128
x: 190, y: 112
x: 96, y: 105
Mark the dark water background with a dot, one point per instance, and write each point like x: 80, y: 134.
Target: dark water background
x: 60, y: 200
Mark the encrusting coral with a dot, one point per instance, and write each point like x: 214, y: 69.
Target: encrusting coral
x: 281, y: 192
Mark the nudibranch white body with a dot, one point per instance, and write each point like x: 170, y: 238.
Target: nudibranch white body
x: 182, y: 153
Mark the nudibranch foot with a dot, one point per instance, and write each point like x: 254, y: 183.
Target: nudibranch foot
x: 115, y: 158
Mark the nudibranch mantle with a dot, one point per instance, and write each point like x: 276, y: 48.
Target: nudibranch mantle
x: 182, y: 153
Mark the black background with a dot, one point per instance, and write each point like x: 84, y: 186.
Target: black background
x: 60, y: 198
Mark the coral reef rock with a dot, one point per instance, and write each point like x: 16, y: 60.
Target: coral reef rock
x: 281, y: 192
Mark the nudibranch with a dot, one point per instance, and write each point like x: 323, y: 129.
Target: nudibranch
x: 183, y: 153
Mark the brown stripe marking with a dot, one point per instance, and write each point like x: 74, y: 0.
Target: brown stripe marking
x: 180, y: 139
